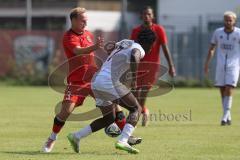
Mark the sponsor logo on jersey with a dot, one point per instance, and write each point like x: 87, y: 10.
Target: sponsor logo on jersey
x: 226, y: 46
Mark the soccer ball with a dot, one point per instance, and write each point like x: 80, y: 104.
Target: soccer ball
x: 112, y: 130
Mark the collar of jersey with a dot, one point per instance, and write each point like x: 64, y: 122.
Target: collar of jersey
x: 79, y: 34
x: 229, y: 32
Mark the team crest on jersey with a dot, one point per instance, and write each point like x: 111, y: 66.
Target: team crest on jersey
x: 234, y: 39
x: 221, y: 37
x: 89, y: 39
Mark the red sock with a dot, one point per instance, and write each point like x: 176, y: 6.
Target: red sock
x: 57, y: 125
x: 144, y: 109
x: 120, y: 123
x: 56, y: 128
x: 120, y: 119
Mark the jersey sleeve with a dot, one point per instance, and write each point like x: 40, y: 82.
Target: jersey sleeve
x: 70, y: 42
x: 162, y: 35
x: 214, y: 38
x: 133, y: 35
x: 139, y: 47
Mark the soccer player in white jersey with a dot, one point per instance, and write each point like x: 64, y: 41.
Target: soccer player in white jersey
x: 226, y: 43
x: 110, y: 86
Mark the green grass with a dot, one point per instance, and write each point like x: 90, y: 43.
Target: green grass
x: 26, y: 115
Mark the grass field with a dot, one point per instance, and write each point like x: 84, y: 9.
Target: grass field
x: 26, y: 119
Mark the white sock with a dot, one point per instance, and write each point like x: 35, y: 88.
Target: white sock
x: 229, y: 116
x: 227, y: 103
x: 230, y: 106
x: 222, y: 104
x: 126, y: 132
x: 53, y: 136
x: 84, y: 132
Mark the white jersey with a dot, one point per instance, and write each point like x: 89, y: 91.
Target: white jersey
x: 228, y: 56
x: 108, y: 84
x: 118, y: 62
x: 228, y: 47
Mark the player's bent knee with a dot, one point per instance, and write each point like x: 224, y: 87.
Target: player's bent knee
x: 109, y: 118
x: 134, y: 114
x: 132, y: 119
x: 135, y: 109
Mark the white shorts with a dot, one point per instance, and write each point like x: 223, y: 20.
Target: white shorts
x: 228, y: 76
x: 105, y: 91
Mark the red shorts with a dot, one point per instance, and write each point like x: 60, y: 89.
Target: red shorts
x: 76, y: 92
x: 147, y: 74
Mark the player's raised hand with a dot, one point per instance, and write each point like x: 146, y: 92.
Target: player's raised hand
x: 100, y: 42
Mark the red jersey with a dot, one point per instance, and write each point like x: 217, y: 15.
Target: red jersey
x: 161, y: 39
x: 79, y: 65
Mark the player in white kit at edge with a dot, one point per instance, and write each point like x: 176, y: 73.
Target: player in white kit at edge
x: 226, y: 42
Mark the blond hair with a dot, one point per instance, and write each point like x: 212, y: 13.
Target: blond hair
x: 76, y: 11
x: 230, y: 13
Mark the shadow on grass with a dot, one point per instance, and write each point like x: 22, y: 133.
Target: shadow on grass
x: 36, y: 153
x: 33, y: 153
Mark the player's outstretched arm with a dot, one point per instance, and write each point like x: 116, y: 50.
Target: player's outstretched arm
x: 211, y: 52
x: 86, y: 50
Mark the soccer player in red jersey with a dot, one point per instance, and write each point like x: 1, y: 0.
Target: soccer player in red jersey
x: 149, y: 65
x: 78, y: 46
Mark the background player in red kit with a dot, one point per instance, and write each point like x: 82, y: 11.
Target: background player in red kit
x: 78, y: 46
x: 149, y: 65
